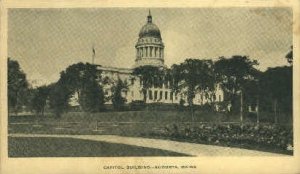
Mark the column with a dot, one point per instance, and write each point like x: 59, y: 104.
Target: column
x: 153, y: 51
x: 159, y: 52
x: 140, y: 52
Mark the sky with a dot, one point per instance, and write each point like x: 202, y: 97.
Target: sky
x: 46, y: 41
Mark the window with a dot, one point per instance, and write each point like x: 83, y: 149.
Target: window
x: 166, y: 95
x: 160, y: 52
x: 150, y: 95
x: 219, y: 97
x: 155, y: 95
x: 146, y: 51
x: 171, y: 95
x: 160, y: 95
x: 142, y: 52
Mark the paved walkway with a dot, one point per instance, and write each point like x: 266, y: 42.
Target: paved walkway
x: 179, y: 147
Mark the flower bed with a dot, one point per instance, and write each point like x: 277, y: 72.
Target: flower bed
x: 267, y: 137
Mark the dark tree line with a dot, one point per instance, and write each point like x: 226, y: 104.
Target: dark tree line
x: 117, y: 99
x: 242, y: 83
x: 17, y: 86
x: 82, y: 79
x: 38, y: 98
x: 194, y: 75
x: 149, y: 76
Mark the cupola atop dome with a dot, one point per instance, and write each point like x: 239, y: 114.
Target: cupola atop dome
x: 150, y: 29
x: 149, y: 46
x: 149, y: 17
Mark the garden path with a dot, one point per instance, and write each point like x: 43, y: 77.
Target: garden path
x: 175, y: 146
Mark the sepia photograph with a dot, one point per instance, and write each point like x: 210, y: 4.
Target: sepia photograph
x: 145, y: 82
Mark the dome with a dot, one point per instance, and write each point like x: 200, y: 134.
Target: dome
x: 150, y: 29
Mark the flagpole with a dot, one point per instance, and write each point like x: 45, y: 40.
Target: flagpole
x: 93, y: 56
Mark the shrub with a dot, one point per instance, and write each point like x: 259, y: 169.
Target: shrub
x: 137, y: 105
x: 267, y: 136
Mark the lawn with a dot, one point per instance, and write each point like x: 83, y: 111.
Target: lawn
x: 160, y: 124
x: 69, y: 147
x: 151, y: 116
x: 130, y: 123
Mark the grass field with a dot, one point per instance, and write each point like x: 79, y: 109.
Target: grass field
x: 130, y: 123
x: 151, y: 124
x: 69, y: 147
x: 152, y: 116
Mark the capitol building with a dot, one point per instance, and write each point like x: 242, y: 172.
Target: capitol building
x: 150, y: 52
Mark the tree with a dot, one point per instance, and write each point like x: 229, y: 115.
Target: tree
x: 59, y: 97
x: 234, y: 73
x: 92, y: 97
x: 252, y: 92
x: 289, y: 56
x: 76, y: 76
x: 117, y: 99
x: 193, y: 75
x: 276, y: 86
x: 85, y: 80
x: 17, y: 86
x: 39, y: 99
x: 149, y: 76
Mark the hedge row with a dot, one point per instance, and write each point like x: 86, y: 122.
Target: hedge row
x: 251, y: 135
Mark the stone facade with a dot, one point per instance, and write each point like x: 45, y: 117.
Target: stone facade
x: 149, y: 47
x: 150, y: 51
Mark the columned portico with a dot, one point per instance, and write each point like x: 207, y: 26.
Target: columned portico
x: 150, y: 51
x: 149, y: 46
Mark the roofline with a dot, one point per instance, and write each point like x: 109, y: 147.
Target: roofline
x: 114, y: 69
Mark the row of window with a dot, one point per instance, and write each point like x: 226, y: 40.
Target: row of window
x: 149, y: 40
x: 158, y: 95
x: 147, y: 51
